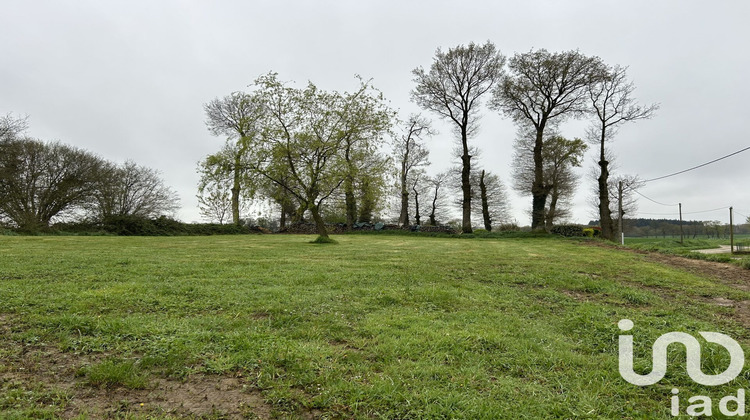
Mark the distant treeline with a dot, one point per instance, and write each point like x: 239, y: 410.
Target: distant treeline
x: 671, y: 228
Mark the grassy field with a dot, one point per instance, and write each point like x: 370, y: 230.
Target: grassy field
x: 688, y: 247
x: 374, y: 327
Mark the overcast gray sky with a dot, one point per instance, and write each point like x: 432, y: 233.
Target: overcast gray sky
x: 128, y: 79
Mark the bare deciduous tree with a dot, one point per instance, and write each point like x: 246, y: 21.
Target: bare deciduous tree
x: 613, y: 106
x: 410, y: 152
x: 544, y: 88
x: 623, y: 186
x: 12, y: 127
x: 133, y: 190
x: 438, y: 199
x: 452, y: 89
x: 492, y: 199
x: 40, y: 181
x: 215, y: 204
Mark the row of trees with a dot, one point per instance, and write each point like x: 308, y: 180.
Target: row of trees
x: 317, y: 152
x: 690, y: 229
x: 538, y: 90
x: 45, y: 181
x: 311, y: 150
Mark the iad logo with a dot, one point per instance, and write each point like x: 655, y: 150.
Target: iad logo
x: 700, y: 405
x: 693, y: 348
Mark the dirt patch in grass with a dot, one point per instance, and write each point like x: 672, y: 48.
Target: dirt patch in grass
x: 578, y: 295
x: 728, y: 274
x: 196, y: 396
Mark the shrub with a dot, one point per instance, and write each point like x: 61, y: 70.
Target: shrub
x: 569, y: 231
x: 162, y: 226
x: 593, y: 232
x: 508, y: 227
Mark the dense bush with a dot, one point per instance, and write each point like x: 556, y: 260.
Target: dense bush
x: 140, y: 226
x: 593, y: 232
x: 568, y: 230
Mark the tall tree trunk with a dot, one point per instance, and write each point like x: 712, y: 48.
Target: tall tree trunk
x: 367, y: 207
x: 605, y: 214
x: 433, y: 222
x: 403, y: 219
x: 350, y: 202
x: 538, y: 189
x: 552, y: 212
x: 236, y: 190
x: 299, y: 215
x: 466, y: 181
x: 416, y: 205
x: 319, y: 224
x: 282, y: 219
x: 485, y: 204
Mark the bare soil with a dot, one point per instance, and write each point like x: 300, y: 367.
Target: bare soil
x: 729, y: 274
x: 196, y: 396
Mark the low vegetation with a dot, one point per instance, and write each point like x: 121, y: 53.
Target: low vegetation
x: 380, y: 326
x: 687, y: 248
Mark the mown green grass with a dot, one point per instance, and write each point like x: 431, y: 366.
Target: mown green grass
x: 374, y: 326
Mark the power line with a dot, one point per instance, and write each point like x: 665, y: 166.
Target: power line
x: 651, y: 199
x: 699, y: 166
x: 692, y: 212
x: 708, y: 211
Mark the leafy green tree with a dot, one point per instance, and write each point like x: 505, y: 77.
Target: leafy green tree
x: 304, y: 140
x: 365, y: 168
x: 560, y: 156
x: 227, y: 171
x: 613, y: 105
x: 541, y: 89
x: 452, y: 89
x: 238, y: 117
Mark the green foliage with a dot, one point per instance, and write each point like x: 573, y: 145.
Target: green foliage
x: 313, y: 141
x: 114, y: 373
x: 568, y: 230
x: 592, y: 232
x: 140, y: 226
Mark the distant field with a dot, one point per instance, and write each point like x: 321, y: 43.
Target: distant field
x: 699, y: 240
x: 374, y: 327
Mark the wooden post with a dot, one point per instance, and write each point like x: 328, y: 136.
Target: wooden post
x: 681, y: 233
x: 731, y: 231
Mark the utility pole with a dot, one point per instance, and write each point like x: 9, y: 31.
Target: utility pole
x: 681, y: 234
x: 731, y: 231
x: 619, y: 210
